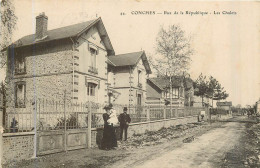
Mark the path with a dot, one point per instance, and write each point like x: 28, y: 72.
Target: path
x: 205, y: 151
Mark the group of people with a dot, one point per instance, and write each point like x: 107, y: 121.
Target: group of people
x: 109, y: 140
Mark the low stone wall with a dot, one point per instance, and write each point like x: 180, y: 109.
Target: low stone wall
x: 140, y: 128
x: 17, y: 146
x: 221, y: 117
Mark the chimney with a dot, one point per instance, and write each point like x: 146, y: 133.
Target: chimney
x: 41, y: 26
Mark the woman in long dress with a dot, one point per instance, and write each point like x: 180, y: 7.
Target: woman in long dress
x: 109, y: 140
x: 113, y: 121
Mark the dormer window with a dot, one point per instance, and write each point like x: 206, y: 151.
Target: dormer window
x: 19, y: 65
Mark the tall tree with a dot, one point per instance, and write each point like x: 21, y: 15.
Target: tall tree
x: 174, y: 50
x: 201, y: 86
x: 8, y: 22
x: 213, y: 88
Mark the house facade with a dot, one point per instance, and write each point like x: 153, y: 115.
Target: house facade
x: 127, y: 74
x: 65, y: 63
x: 76, y: 63
x: 198, y: 102
x: 158, y: 91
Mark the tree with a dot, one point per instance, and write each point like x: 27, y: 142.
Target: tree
x: 8, y: 22
x: 201, y: 86
x: 213, y: 88
x: 174, y: 51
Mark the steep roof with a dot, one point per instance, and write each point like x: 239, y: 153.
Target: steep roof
x: 67, y: 32
x: 129, y: 59
x: 164, y: 82
x: 152, y: 91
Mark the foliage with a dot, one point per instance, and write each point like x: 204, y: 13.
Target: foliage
x: 174, y: 50
x: 8, y: 22
x: 201, y: 86
x: 70, y: 122
x: 209, y: 88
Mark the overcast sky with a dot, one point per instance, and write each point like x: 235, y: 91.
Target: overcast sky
x: 227, y: 46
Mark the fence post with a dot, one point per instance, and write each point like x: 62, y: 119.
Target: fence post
x: 89, y: 124
x: 35, y: 103
x: 164, y: 112
x: 148, y: 113
x: 65, y: 123
x: 1, y: 136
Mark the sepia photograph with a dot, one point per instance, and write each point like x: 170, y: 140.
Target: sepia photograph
x: 129, y: 84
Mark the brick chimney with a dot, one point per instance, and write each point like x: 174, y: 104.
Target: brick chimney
x: 41, y: 26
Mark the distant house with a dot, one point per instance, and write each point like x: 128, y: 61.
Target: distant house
x: 224, y: 105
x: 158, y: 91
x: 197, y: 101
x: 127, y: 74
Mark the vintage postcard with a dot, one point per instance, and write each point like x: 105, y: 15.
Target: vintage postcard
x: 135, y: 83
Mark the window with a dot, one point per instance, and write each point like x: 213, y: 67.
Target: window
x: 139, y: 99
x: 19, y: 65
x: 139, y: 76
x: 91, y: 89
x: 139, y: 79
x: 175, y: 92
x: 20, y: 94
x: 93, y: 54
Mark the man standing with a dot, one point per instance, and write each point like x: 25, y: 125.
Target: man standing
x: 124, y: 120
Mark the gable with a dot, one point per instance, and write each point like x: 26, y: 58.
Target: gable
x: 93, y: 37
x: 68, y: 32
x: 130, y: 59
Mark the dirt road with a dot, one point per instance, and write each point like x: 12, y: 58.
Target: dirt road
x: 206, y: 151
x: 220, y: 144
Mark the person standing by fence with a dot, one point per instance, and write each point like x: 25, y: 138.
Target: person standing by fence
x: 124, y: 120
x: 109, y: 140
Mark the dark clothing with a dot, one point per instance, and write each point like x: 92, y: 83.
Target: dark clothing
x: 123, y: 129
x: 124, y: 120
x: 109, y: 136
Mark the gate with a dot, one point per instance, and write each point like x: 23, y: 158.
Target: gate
x: 63, y: 126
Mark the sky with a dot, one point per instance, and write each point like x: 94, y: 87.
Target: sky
x: 227, y: 46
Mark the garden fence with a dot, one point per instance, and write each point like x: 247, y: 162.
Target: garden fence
x: 55, y: 115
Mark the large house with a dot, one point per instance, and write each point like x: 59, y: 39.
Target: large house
x: 159, y: 92
x: 127, y: 74
x: 76, y: 63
